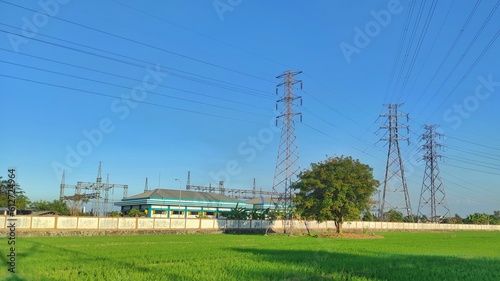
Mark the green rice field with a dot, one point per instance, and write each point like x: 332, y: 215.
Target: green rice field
x: 396, y: 256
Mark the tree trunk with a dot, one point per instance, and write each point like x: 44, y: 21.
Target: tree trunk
x: 338, y: 226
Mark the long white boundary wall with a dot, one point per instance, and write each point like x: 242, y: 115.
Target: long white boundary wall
x: 125, y: 223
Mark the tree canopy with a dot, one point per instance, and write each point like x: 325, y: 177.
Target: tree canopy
x: 479, y: 218
x: 75, y: 203
x: 336, y: 189
x: 57, y: 206
x: 22, y: 201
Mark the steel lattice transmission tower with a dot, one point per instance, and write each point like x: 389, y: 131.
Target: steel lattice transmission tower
x: 287, y: 163
x: 432, y: 194
x: 96, y: 204
x: 395, y: 188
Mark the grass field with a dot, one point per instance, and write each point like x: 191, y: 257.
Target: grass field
x: 397, y: 256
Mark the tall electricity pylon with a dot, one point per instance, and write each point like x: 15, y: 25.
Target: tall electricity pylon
x: 287, y: 163
x: 432, y: 194
x: 394, y: 182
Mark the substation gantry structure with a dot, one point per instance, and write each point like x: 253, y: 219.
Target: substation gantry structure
x: 237, y: 193
x: 97, y: 193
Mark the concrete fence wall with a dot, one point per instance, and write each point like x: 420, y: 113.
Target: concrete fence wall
x: 125, y: 223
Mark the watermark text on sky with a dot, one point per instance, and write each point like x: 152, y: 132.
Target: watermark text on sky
x: 363, y: 37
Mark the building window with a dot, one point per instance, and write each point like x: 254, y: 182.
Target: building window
x: 210, y: 213
x: 194, y: 213
x: 158, y: 212
x: 177, y: 213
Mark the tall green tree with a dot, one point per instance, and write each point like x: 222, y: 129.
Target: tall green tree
x: 337, y: 189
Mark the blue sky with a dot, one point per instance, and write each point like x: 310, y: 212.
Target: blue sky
x: 71, y: 90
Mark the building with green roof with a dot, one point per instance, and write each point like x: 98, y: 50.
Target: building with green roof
x: 169, y: 203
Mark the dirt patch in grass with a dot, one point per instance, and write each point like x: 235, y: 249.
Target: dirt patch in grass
x: 348, y: 235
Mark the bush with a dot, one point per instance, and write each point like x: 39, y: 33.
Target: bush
x: 136, y: 213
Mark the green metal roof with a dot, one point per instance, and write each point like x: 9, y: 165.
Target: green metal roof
x: 184, y: 194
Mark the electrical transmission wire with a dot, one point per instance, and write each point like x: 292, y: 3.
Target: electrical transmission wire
x: 431, y: 49
x: 488, y: 46
x: 244, y: 50
x: 449, y: 51
x: 408, y: 49
x: 144, y: 44
x: 475, y: 162
x: 133, y: 79
x: 143, y: 64
x: 128, y: 88
x: 333, y: 109
x: 199, y: 33
x: 474, y: 170
x: 400, y: 50
x: 418, y: 47
x: 141, y: 43
x: 116, y: 97
x: 470, y: 184
x: 455, y: 67
x: 477, y: 153
x: 474, y: 143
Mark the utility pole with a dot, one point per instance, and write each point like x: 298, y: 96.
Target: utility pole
x: 395, y: 185
x: 432, y: 194
x: 287, y: 163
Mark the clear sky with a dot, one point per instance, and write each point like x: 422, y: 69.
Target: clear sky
x: 73, y: 74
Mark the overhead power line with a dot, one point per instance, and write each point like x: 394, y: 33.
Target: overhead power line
x: 116, y: 97
x: 475, y: 143
x: 127, y: 88
x: 199, y: 33
x: 131, y: 79
x: 143, y: 64
x: 141, y: 43
x: 455, y: 67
